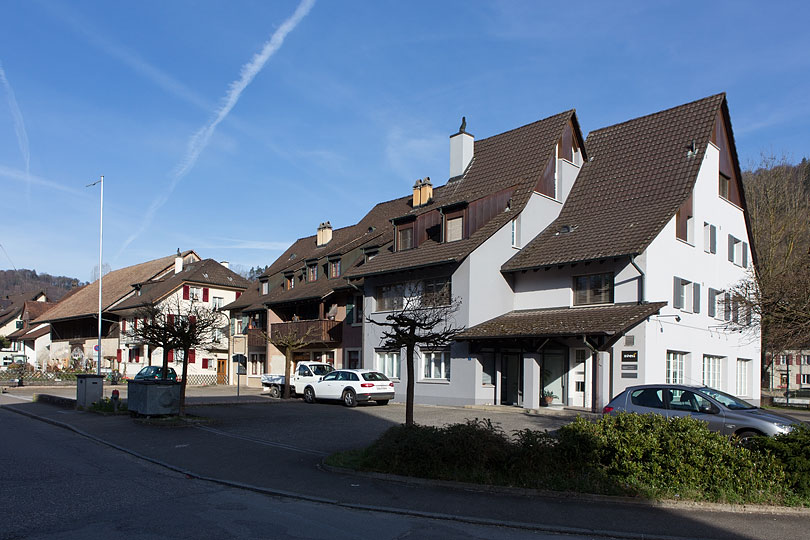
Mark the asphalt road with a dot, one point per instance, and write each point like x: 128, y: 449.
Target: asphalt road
x: 58, y: 485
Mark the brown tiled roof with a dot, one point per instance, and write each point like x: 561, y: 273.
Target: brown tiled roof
x: 514, y: 159
x: 34, y: 309
x: 12, y: 305
x: 560, y: 322
x: 206, y: 272
x: 115, y: 286
x: 638, y: 175
x: 30, y: 332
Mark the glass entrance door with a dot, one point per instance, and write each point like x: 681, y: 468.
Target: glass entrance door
x: 511, y: 379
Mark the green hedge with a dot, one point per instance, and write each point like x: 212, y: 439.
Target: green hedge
x: 627, y: 454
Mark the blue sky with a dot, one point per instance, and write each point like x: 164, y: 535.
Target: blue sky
x: 233, y: 128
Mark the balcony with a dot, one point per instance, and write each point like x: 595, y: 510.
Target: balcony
x: 255, y: 338
x: 317, y: 331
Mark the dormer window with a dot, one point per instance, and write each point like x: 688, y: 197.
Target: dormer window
x: 312, y: 272
x: 405, y: 237
x: 334, y: 268
x: 265, y: 287
x: 455, y: 229
x: 289, y: 282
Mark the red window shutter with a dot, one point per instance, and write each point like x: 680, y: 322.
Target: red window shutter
x: 185, y: 292
x: 191, y: 356
x: 790, y: 359
x: 118, y: 355
x: 123, y: 325
x: 171, y: 355
x: 192, y: 319
x: 170, y: 318
x: 238, y: 294
x: 205, y: 363
x: 798, y: 378
x: 205, y: 294
x: 135, y: 320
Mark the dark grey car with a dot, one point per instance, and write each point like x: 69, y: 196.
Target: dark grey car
x: 723, y: 413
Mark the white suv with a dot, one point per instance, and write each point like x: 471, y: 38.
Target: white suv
x: 351, y: 386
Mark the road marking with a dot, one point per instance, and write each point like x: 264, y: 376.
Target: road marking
x: 264, y: 442
x: 180, y: 445
x: 24, y: 398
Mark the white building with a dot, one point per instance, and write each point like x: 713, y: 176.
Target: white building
x: 578, y: 290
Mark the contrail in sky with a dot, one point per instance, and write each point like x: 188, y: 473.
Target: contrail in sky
x: 200, y: 139
x: 19, y: 125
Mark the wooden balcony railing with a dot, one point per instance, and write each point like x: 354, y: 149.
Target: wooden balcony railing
x: 317, y: 331
x: 255, y: 338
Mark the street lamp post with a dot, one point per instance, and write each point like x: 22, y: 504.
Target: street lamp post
x: 100, y: 269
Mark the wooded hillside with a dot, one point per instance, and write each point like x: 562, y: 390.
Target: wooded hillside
x: 19, y: 281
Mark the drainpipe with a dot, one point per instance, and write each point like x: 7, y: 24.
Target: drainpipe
x: 641, y: 294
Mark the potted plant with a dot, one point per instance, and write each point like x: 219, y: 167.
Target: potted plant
x: 547, y: 396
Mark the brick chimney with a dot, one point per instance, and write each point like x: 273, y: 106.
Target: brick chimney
x: 461, y: 150
x: 324, y: 235
x: 427, y: 190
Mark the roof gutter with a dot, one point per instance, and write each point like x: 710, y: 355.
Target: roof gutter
x: 641, y: 285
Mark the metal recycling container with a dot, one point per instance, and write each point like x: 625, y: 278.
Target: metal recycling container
x: 89, y: 389
x: 153, y: 398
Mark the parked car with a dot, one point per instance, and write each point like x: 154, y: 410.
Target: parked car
x: 723, y: 413
x: 351, y: 386
x: 153, y: 373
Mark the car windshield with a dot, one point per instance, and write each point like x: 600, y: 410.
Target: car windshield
x: 729, y: 401
x: 374, y: 376
x: 322, y: 370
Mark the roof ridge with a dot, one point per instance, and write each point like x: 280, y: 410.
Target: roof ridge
x: 563, y: 113
x: 650, y: 115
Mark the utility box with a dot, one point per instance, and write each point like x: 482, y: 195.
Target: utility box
x: 89, y: 389
x: 153, y: 398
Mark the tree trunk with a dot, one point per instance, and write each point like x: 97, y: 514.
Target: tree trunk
x: 287, y: 371
x: 165, y: 370
x: 410, y: 385
x: 183, y: 383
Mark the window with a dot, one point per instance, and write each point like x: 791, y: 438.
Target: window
x: 686, y: 295
x: 388, y: 363
x: 684, y: 222
x: 455, y: 229
x: 354, y: 310
x: 436, y: 291
x: 805, y: 379
x: 806, y: 359
x: 684, y: 400
x: 218, y: 302
x: 675, y: 362
x: 289, y: 282
x: 437, y: 365
x: 711, y: 370
x: 737, y: 252
x: 593, y: 289
x: 726, y: 306
x: 516, y: 232
x: 781, y: 360
x: 390, y: 297
x: 217, y: 335
x: 352, y: 359
x: 724, y: 185
x: 334, y: 268
x: 195, y: 293
x: 254, y: 364
x: 404, y: 237
x: 709, y: 238
x: 742, y: 376
x: 312, y: 272
x: 715, y: 303
x: 652, y: 398
x: 265, y: 287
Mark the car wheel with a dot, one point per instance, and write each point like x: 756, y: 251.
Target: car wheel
x: 309, y: 394
x: 745, y: 438
x: 274, y: 392
x: 349, y: 398
x: 382, y: 402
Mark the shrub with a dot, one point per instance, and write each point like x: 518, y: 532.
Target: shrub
x: 792, y: 450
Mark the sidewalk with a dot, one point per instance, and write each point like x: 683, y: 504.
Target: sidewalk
x: 236, y: 450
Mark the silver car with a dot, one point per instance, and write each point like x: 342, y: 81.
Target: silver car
x: 723, y: 413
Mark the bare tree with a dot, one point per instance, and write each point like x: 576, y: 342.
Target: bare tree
x: 774, y: 298
x: 423, y: 320
x: 288, y: 342
x: 177, y: 325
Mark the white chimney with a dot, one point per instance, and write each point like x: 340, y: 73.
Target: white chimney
x: 226, y: 264
x: 324, y: 235
x: 461, y: 150
x: 178, y: 263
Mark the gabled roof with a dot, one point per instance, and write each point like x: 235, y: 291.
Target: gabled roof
x: 206, y: 272
x: 115, y: 286
x: 515, y: 160
x: 604, y: 320
x: 638, y: 175
x: 12, y: 305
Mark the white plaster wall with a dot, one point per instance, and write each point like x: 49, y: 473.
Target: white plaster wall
x: 696, y: 333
